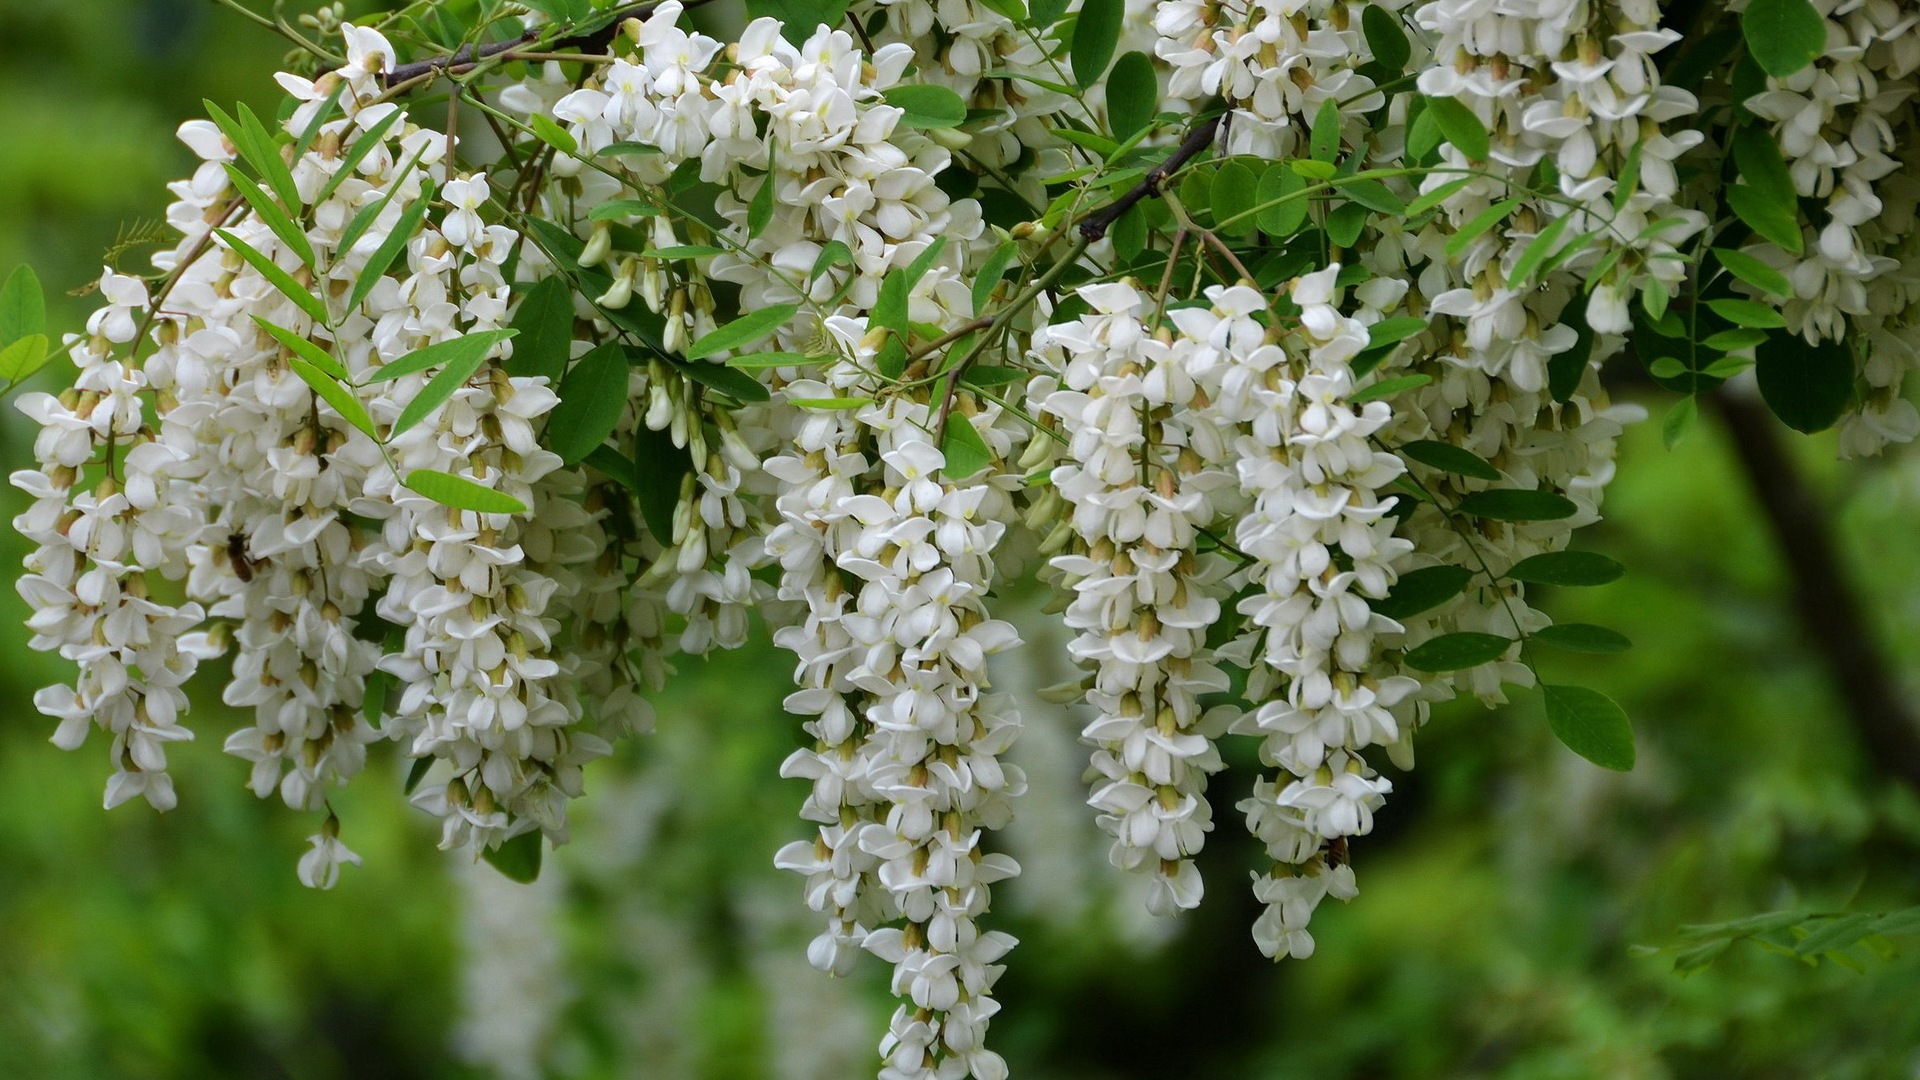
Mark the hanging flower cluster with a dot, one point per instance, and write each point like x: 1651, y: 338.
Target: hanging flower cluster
x: 1274, y: 329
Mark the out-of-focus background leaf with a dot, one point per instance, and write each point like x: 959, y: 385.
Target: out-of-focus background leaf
x: 1499, y: 896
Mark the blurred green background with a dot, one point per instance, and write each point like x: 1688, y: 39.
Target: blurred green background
x: 1499, y: 896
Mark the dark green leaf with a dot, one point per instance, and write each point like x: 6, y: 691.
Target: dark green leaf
x: 742, y: 331
x: 761, y: 361
x: 1133, y: 92
x: 659, y: 467
x: 1450, y: 458
x: 1232, y: 198
x: 925, y: 105
x: 1277, y: 218
x: 626, y: 149
x: 1511, y: 504
x: 1386, y: 38
x: 1778, y: 223
x: 1095, y: 34
x: 1583, y: 638
x: 799, y: 18
x: 1454, y: 652
x: 991, y: 272
x: 543, y: 324
x: 461, y: 493
x: 1566, y: 370
x: 1324, y: 140
x: 592, y: 399
x: 1754, y: 272
x: 263, y: 153
x: 1373, y: 195
x: 418, y: 770
x: 518, y: 859
x: 965, y: 451
x: 1484, y: 220
x: 990, y: 376
x: 1783, y: 36
x: 731, y: 381
x: 1567, y: 568
x: 1386, y: 388
x: 1423, y: 590
x: 1590, y: 724
x: 625, y: 208
x: 1806, y: 386
x: 760, y: 210
x: 1345, y: 223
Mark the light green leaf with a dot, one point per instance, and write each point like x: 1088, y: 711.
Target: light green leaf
x: 1232, y: 198
x: 1748, y: 313
x: 1590, y: 724
x: 765, y: 360
x: 461, y: 493
x: 1437, y: 196
x: 1323, y: 141
x: 270, y: 213
x: 742, y: 331
x: 464, y: 353
x: 925, y: 105
x: 305, y: 350
x: 684, y: 251
x: 460, y: 367
x: 830, y: 403
x: 616, y: 209
x: 1537, y: 251
x: 23, y: 306
x: 1279, y: 218
x: 23, y: 357
x: 1392, y: 331
x: 336, y: 395
x: 1314, y: 170
x: 1567, y: 568
x: 551, y: 133
x: 1730, y: 340
x: 1387, y: 388
x: 1460, y: 127
x: 1754, y: 272
x: 281, y: 280
x: 391, y: 247
x: 355, y: 154
x: 1484, y: 220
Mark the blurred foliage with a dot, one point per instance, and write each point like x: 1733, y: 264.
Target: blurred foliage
x: 1499, y: 897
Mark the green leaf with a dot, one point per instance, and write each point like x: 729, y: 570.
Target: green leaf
x: 23, y: 306
x: 762, y: 361
x: 1730, y: 340
x: 1450, y: 458
x: 23, y: 357
x: 834, y: 253
x: 1044, y: 13
x: 305, y: 350
x: 355, y: 154
x: 1770, y: 219
x: 420, y: 767
x: 1437, y: 196
x: 391, y: 247
x: 1512, y: 504
x: 989, y: 376
x: 1583, y: 638
x: 263, y: 153
x: 1386, y: 38
x: 1133, y: 91
x: 659, y: 467
x: 551, y: 133
x: 336, y: 395
x: 281, y: 280
x: 1373, y: 195
x: 626, y: 149
x: 760, y: 210
x: 461, y: 493
x: 1679, y: 420
x: 1836, y: 934
x: 1666, y: 367
x: 320, y: 117
x: 1323, y: 142
x: 1783, y: 36
x: 1423, y: 136
x: 1565, y: 370
x: 1454, y: 652
x: 519, y: 858
x: 616, y: 209
x: 728, y: 380
x: 1748, y: 313
x: 1423, y: 590
x: 1393, y: 331
x: 1727, y: 366
x: 925, y: 105
x: 1276, y: 218
x: 1345, y: 223
x: 1567, y: 568
x: 1314, y: 170
x: 1232, y: 196
x: 1754, y: 272
x: 1537, y: 251
x: 1484, y: 220
x: 684, y: 251
x: 924, y: 262
x: 592, y: 399
x: 1460, y: 127
x: 1590, y: 724
x: 275, y: 218
x: 965, y: 451
x: 543, y: 324
x: 1806, y: 386
x: 799, y: 18
x: 1095, y: 34
x: 370, y: 213
x: 742, y: 331
x: 465, y: 353
x: 990, y: 273
x: 460, y: 367
x: 1387, y: 388
x: 830, y: 403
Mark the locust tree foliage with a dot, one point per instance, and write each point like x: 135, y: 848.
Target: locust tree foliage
x: 526, y: 347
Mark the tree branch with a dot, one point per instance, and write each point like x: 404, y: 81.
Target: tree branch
x: 1830, y: 613
x: 1096, y: 224
x: 467, y: 56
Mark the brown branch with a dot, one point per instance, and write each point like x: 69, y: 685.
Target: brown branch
x: 1096, y: 224
x: 1831, y: 616
x: 467, y: 56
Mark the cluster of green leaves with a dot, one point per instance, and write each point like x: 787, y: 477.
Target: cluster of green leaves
x: 1805, y: 936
